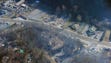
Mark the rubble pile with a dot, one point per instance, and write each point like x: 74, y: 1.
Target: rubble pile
x: 15, y: 50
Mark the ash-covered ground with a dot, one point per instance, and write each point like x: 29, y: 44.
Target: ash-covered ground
x: 54, y: 42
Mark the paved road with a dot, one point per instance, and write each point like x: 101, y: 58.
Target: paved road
x: 67, y: 33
